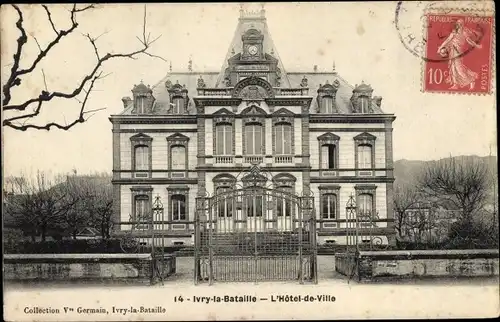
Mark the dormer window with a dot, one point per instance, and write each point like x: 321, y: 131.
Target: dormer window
x: 326, y: 97
x: 178, y: 99
x: 143, y: 99
x: 361, y: 99
x: 140, y: 106
x: 364, y: 104
x: 327, y: 105
x: 178, y: 106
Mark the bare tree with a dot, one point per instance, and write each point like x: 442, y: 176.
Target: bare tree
x: 40, y: 205
x: 405, y: 198
x: 461, y: 184
x: 23, y: 113
x: 94, y: 205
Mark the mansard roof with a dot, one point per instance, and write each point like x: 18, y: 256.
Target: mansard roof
x: 289, y: 79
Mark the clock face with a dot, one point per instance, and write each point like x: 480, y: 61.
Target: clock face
x: 253, y: 50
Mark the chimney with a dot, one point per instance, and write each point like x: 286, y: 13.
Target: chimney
x: 126, y: 101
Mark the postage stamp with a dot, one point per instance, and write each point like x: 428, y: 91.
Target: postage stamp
x: 459, y: 53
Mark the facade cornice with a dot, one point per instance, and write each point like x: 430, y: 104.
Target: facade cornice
x: 150, y: 181
x: 351, y: 179
x: 153, y: 119
x: 352, y: 118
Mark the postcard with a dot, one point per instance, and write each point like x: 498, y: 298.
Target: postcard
x: 249, y: 161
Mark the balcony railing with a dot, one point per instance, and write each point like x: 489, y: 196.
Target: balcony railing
x: 253, y: 159
x: 280, y: 159
x: 215, y: 91
x: 291, y: 91
x: 224, y: 159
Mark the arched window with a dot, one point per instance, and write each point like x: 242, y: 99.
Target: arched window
x: 178, y: 207
x: 327, y: 105
x: 254, y: 205
x: 328, y: 156
x: 141, y: 153
x: 329, y: 206
x: 225, y: 204
x: 178, y: 105
x: 224, y: 139
x: 284, y: 202
x: 178, y: 155
x: 364, y: 156
x: 142, y: 210
x: 283, y: 138
x: 365, y: 203
x: 253, y: 139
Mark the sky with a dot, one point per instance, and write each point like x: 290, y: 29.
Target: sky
x: 360, y: 38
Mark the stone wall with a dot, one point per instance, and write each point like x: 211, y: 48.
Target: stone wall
x: 371, y: 265
x: 25, y: 267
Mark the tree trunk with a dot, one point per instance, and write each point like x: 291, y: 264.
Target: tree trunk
x: 74, y: 234
x: 43, y: 230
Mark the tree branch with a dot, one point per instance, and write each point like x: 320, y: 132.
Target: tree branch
x: 46, y: 95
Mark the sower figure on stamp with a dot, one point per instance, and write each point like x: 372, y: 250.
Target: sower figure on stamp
x: 453, y: 48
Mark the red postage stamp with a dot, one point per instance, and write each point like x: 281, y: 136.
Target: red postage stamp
x: 458, y: 54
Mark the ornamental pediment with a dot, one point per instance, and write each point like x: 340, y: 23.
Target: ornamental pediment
x: 253, y: 110
x: 178, y: 137
x: 328, y: 137
x: 223, y: 112
x: 365, y: 137
x: 141, y: 137
x: 283, y: 112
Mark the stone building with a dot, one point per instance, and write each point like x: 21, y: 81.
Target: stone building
x: 196, y: 131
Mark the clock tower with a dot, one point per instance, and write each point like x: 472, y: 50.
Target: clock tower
x: 252, y: 45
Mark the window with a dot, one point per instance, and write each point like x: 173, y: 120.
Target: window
x: 284, y: 203
x: 283, y: 139
x: 178, y: 155
x: 225, y: 205
x: 178, y: 207
x: 141, y: 157
x: 255, y: 205
x: 363, y: 103
x: 178, y: 105
x: 224, y: 139
x: 140, y: 106
x: 328, y: 156
x: 364, y: 156
x: 142, y: 210
x: 329, y: 206
x: 365, y: 203
x: 327, y: 105
x: 253, y: 139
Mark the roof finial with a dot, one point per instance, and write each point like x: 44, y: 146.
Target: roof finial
x: 315, y: 68
x: 190, y: 64
x: 170, y: 66
x: 262, y: 10
x: 334, y: 65
x: 242, y: 12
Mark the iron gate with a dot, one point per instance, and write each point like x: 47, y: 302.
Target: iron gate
x: 146, y: 234
x: 255, y: 233
x: 361, y: 228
